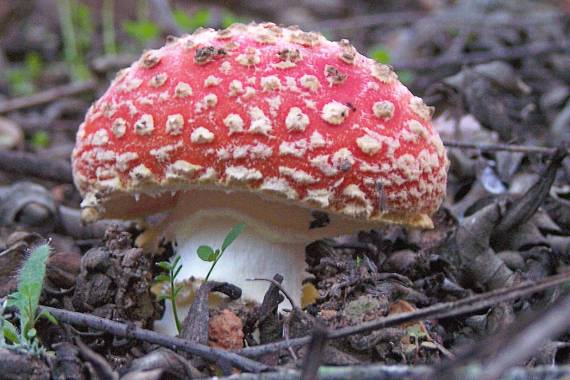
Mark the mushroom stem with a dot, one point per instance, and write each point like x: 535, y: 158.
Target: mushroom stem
x: 251, y: 255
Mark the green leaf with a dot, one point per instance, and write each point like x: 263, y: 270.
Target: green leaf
x: 406, y: 76
x: 380, y: 54
x: 207, y: 253
x: 49, y: 316
x: 34, y: 65
x: 232, y: 235
x: 163, y: 277
x: 176, y: 272
x: 143, y: 30
x: 13, y: 300
x: 83, y: 26
x: 228, y: 18
x: 176, y: 261
x: 177, y: 290
x: 40, y: 140
x: 163, y: 265
x: 189, y: 23
x: 20, y: 82
x: 10, y: 332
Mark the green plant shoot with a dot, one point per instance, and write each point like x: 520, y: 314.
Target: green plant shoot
x: 40, y: 140
x: 381, y: 54
x: 208, y: 254
x: 22, y: 78
x: 200, y: 18
x: 26, y: 300
x: 171, y: 271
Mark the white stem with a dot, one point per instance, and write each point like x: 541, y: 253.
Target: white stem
x: 251, y: 255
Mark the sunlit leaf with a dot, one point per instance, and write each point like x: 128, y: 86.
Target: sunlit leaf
x: 232, y: 235
x: 207, y: 253
x: 163, y: 265
x: 10, y: 332
x: 163, y: 277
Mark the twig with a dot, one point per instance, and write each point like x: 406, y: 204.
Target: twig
x: 71, y: 225
x: 100, y: 366
x: 517, y: 343
x: 35, y: 165
x: 398, y: 372
x: 47, y: 96
x: 529, y: 50
x: 314, y: 354
x: 109, y: 63
x: 391, y: 18
x: 438, y: 311
x: 286, y: 334
x: 363, y: 21
x: 279, y: 286
x: 131, y: 331
x: 163, y: 15
x: 500, y: 147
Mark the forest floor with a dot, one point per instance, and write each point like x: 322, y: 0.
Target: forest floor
x: 483, y: 292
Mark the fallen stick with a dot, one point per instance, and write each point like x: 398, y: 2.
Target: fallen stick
x: 131, y: 331
x: 437, y: 311
x: 47, y: 96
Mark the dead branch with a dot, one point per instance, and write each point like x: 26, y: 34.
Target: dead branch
x: 315, y: 349
x: 512, y: 346
x: 401, y: 18
x: 507, y: 54
x: 281, y: 289
x: 438, y: 311
x: 35, y: 165
x: 501, y: 147
x: 397, y: 372
x: 131, y: 331
x: 47, y: 96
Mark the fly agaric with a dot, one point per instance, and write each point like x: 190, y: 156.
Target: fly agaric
x: 296, y: 136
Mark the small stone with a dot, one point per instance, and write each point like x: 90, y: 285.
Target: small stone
x: 225, y: 331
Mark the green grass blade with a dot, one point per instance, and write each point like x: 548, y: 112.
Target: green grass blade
x: 232, y: 235
x: 31, y: 279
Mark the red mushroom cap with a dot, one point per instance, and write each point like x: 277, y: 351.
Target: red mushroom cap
x: 278, y: 111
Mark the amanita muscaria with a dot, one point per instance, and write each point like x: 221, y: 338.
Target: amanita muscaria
x: 296, y: 136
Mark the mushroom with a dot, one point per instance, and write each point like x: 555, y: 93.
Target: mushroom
x: 296, y: 136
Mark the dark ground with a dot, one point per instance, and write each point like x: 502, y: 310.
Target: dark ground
x: 498, y: 73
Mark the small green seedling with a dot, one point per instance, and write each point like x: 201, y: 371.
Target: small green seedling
x: 171, y: 271
x: 208, y: 254
x: 358, y: 261
x: 26, y: 301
